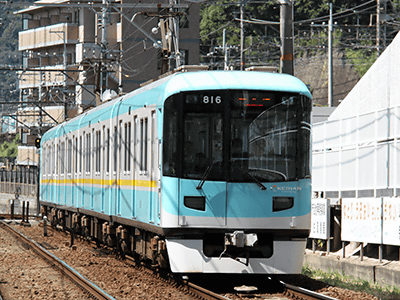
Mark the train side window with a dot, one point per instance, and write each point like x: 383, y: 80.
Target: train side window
x: 115, y: 148
x: 129, y: 145
x: 53, y: 159
x: 44, y: 161
x: 143, y: 144
x: 93, y: 151
x: 121, y: 145
x: 97, y: 151
x: 88, y: 153
x: 69, y: 156
x: 80, y: 153
x: 153, y: 144
x: 108, y: 151
x: 135, y: 141
x: 62, y: 157
x: 125, y: 146
x: 75, y: 149
x: 57, y: 159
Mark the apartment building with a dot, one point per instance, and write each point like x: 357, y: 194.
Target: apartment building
x: 77, y: 54
x: 68, y: 61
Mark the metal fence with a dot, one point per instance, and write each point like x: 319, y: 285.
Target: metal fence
x: 22, y: 181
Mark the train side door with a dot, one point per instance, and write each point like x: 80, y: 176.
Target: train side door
x: 155, y: 180
x: 142, y: 173
x: 125, y: 182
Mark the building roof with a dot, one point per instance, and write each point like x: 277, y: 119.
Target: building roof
x: 37, y: 6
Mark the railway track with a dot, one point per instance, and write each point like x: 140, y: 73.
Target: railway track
x: 190, y: 288
x: 90, y: 288
x: 295, y: 292
x: 87, y: 286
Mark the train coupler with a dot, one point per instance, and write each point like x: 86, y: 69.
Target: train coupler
x: 240, y: 239
x: 238, y: 244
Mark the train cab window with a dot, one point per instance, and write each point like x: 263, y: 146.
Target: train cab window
x: 170, y: 148
x: 237, y: 136
x: 202, y: 145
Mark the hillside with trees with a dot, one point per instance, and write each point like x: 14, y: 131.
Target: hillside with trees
x: 355, y: 46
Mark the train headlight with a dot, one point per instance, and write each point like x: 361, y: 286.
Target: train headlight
x: 282, y: 203
x: 195, y: 202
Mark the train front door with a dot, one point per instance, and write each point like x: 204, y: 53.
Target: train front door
x: 202, y: 189
x: 204, y: 207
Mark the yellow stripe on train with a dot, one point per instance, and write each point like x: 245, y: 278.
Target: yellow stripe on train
x: 104, y: 182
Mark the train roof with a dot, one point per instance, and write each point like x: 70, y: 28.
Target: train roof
x: 156, y: 92
x: 210, y: 80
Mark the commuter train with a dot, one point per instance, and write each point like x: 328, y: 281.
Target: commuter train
x: 199, y: 172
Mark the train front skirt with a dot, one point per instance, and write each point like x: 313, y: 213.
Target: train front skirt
x: 186, y: 256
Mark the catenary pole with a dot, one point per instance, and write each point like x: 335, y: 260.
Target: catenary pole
x: 286, y: 33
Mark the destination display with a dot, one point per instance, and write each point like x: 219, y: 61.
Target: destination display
x: 254, y: 99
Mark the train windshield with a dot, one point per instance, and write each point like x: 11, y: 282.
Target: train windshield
x: 237, y: 136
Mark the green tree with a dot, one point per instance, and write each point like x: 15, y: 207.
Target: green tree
x: 10, y: 149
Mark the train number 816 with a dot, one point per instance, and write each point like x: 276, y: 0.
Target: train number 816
x: 212, y: 99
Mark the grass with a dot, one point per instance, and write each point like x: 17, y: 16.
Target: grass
x: 341, y: 280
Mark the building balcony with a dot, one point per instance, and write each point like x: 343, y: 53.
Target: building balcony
x: 51, y: 76
x: 48, y: 36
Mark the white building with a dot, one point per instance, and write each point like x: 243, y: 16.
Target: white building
x: 356, y: 154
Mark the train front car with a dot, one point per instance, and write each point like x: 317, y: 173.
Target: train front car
x: 236, y: 173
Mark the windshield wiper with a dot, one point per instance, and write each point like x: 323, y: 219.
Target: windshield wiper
x: 256, y: 181
x: 205, y: 174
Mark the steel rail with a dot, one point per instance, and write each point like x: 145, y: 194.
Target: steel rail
x: 301, y: 293
x: 186, y: 286
x: 66, y: 270
x: 202, y: 292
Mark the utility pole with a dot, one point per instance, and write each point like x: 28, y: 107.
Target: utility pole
x: 104, y: 43
x: 225, y: 50
x: 378, y: 28
x: 174, y: 31
x: 241, y: 34
x: 286, y: 32
x: 330, y: 60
